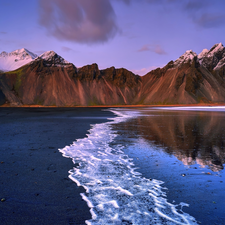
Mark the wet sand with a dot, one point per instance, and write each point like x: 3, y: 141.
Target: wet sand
x: 34, y: 185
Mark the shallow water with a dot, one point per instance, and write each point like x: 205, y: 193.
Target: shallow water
x: 126, y: 164
x: 186, y: 150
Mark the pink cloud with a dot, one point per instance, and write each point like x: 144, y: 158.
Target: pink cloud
x: 83, y: 21
x: 66, y: 49
x: 144, y: 48
x: 153, y: 48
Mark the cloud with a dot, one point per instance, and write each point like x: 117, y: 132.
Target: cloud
x: 66, y: 49
x: 187, y: 4
x: 125, y: 1
x: 94, y: 21
x: 144, y: 48
x: 195, y: 5
x: 153, y: 48
x: 201, y: 14
x: 208, y: 20
x: 82, y: 21
x: 198, y: 11
x: 158, y: 49
x: 2, y: 32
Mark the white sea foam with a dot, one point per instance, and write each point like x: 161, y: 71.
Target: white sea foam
x: 195, y: 108
x: 115, y: 192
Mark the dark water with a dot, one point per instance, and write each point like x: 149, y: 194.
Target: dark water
x: 186, y: 150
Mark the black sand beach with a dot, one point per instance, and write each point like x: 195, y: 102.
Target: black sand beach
x: 34, y: 185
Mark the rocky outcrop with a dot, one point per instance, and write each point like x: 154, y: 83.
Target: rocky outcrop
x: 50, y: 80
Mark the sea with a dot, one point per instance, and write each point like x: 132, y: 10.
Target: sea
x: 153, y: 165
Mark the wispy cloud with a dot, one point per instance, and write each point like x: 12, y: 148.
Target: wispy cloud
x: 158, y: 49
x: 144, y: 48
x: 3, y: 32
x: 197, y: 10
x: 200, y: 14
x: 195, y: 5
x: 66, y: 49
x: 208, y: 20
x: 83, y: 21
x: 153, y: 48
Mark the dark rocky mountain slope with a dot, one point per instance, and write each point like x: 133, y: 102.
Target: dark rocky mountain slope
x: 53, y: 82
x: 50, y: 80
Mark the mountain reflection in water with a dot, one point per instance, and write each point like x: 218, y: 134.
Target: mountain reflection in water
x: 193, y: 137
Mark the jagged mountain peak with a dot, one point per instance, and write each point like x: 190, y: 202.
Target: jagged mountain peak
x: 53, y: 58
x: 50, y: 80
x: 216, y: 48
x: 203, y: 53
x: 20, y: 53
x: 3, y: 54
x: 15, y: 59
x: 48, y: 55
x: 186, y: 57
x: 211, y: 59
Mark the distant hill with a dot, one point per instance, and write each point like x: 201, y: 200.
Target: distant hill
x: 50, y: 80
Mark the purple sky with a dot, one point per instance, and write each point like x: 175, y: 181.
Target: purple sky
x: 139, y: 35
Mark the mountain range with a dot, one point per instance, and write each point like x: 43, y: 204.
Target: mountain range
x: 50, y: 80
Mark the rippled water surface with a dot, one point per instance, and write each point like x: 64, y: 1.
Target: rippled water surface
x: 185, y: 148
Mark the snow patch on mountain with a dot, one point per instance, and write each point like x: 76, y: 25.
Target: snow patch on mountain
x: 51, y: 56
x: 203, y: 53
x: 188, y: 56
x: 213, y: 58
x: 217, y: 48
x: 220, y: 64
x: 14, y: 60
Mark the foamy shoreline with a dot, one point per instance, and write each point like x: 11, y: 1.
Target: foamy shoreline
x: 34, y: 175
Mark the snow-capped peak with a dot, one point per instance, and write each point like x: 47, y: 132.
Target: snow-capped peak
x: 213, y: 58
x: 186, y: 57
x: 15, y: 59
x: 53, y: 58
x: 220, y: 64
x: 3, y: 54
x: 48, y: 55
x: 20, y: 54
x: 203, y: 53
x: 216, y: 48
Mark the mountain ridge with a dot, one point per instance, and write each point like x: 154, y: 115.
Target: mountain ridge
x: 50, y: 80
x: 16, y: 59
